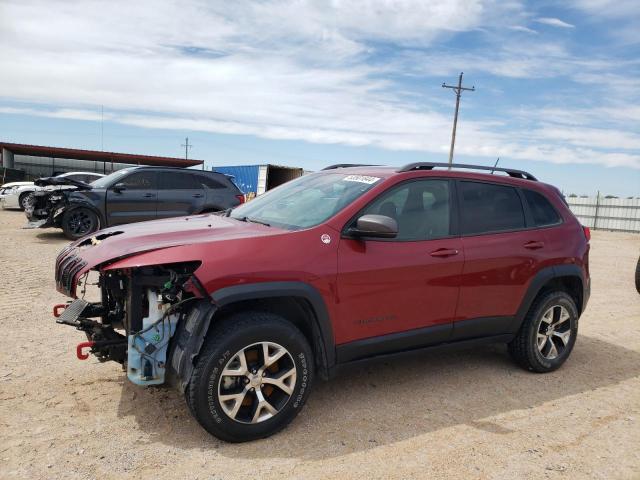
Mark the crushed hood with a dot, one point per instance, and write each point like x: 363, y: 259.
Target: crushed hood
x: 111, y: 244
x: 58, y: 181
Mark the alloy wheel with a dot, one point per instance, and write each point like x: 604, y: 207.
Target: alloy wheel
x: 554, y: 332
x: 80, y: 223
x: 26, y: 202
x: 257, y: 382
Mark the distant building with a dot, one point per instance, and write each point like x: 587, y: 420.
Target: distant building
x: 39, y: 161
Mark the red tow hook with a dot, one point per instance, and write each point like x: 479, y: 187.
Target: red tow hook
x: 79, y: 354
x: 58, y: 307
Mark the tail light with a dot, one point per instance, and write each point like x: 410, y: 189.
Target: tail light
x: 587, y: 233
x: 240, y: 198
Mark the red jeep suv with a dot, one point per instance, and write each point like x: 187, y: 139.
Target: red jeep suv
x: 241, y: 310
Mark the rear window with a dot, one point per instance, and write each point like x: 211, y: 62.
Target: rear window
x: 490, y: 208
x: 541, y: 209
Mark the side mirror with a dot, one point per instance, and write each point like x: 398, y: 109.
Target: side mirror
x: 375, y: 226
x: 119, y: 187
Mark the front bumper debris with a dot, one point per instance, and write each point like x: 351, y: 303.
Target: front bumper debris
x: 35, y: 224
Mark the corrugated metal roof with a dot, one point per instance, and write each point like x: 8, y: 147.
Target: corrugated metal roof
x: 95, y: 155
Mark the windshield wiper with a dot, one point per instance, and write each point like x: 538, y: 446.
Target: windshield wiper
x: 252, y: 220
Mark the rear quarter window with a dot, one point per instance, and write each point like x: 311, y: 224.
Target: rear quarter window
x: 541, y: 209
x: 209, y: 182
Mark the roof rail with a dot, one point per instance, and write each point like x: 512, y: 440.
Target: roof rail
x: 431, y: 165
x: 347, y: 165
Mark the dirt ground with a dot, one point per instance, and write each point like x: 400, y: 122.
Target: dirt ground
x: 465, y: 414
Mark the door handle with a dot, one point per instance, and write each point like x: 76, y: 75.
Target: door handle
x: 197, y: 195
x: 534, y: 245
x: 444, y: 252
x: 149, y: 195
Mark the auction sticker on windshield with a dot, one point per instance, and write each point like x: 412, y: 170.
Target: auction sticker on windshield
x: 361, y: 179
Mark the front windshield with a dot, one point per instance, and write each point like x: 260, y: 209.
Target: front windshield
x: 111, y: 179
x: 306, y: 201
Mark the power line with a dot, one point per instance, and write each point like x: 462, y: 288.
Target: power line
x: 458, y: 90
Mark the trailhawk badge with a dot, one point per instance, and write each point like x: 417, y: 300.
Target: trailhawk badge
x: 326, y: 238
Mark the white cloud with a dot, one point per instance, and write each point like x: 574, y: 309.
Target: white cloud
x: 554, y: 22
x: 285, y: 69
x: 522, y: 28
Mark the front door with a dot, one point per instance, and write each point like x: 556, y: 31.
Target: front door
x: 134, y: 199
x: 388, y: 286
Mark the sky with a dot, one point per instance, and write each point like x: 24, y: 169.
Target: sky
x: 312, y: 83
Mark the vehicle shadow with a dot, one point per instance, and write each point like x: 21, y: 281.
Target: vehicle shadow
x: 385, y: 401
x: 52, y: 235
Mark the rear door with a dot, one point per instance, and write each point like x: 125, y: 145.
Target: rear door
x: 410, y: 282
x: 180, y: 193
x: 502, y: 254
x: 136, y: 202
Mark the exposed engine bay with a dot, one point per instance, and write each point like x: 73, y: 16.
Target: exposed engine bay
x: 45, y: 207
x: 138, y: 314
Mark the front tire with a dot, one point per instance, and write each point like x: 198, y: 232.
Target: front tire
x: 547, y: 334
x: 252, y: 377
x: 79, y: 222
x: 638, y: 276
x: 23, y: 200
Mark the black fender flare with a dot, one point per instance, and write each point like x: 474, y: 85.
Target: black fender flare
x: 321, y: 323
x: 541, y: 278
x: 192, y: 329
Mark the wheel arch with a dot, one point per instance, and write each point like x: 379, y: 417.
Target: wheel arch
x: 297, y: 302
x: 89, y: 206
x: 567, y: 278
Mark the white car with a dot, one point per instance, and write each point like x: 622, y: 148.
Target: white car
x: 7, y: 188
x: 18, y: 197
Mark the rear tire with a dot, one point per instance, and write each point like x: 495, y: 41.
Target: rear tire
x: 237, y: 392
x: 638, y: 276
x: 78, y: 223
x: 547, y: 334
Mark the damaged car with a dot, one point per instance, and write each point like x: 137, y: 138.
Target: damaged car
x: 129, y: 195
x: 242, y: 310
x: 19, y: 197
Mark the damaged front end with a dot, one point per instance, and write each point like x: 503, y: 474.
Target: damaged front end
x: 139, y: 311
x: 45, y: 208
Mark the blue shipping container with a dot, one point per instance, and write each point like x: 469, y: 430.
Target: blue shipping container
x: 244, y: 176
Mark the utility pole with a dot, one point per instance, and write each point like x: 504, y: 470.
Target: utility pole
x: 458, y: 90
x: 186, y: 148
x: 102, y: 128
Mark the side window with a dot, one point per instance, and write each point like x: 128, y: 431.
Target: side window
x: 542, y: 211
x: 140, y: 181
x: 178, y: 181
x: 421, y: 209
x: 208, y: 182
x: 489, y: 208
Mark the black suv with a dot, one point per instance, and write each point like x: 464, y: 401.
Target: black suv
x: 129, y: 195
